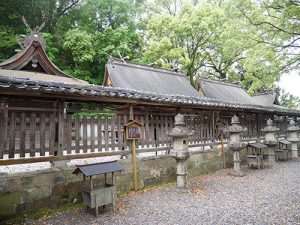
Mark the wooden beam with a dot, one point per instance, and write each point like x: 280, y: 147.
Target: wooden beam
x: 30, y: 109
x: 27, y: 160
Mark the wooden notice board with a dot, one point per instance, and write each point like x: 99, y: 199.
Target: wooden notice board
x: 133, y: 130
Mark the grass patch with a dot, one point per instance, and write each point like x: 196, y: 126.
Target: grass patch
x: 24, y: 217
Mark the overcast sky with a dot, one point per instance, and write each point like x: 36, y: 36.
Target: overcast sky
x: 291, y: 83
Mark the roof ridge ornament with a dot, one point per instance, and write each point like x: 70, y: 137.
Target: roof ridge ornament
x: 34, y: 35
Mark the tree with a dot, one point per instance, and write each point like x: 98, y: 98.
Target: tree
x: 35, y: 11
x: 212, y: 39
x: 97, y: 30
x: 181, y: 40
x: 280, y: 22
x: 288, y: 100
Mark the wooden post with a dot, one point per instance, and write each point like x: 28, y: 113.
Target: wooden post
x: 60, y: 128
x: 134, y: 166
x: 2, y: 130
x: 131, y: 117
x: 91, y: 183
x: 213, y: 127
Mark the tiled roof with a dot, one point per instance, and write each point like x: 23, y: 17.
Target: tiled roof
x: 55, y: 87
x: 226, y: 91
x: 266, y: 98
x: 149, y: 79
x: 33, y: 77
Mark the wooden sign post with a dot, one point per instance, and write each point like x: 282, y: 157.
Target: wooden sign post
x: 133, y: 133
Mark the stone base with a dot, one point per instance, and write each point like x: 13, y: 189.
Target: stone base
x: 182, y: 190
x: 271, y: 160
x: 60, y: 164
x: 295, y: 154
x: 236, y: 174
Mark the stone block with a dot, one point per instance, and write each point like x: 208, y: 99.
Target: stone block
x: 69, y: 177
x: 14, y: 184
x: 41, y: 204
x: 10, y: 198
x: 36, y: 193
x: 205, y: 156
x: 7, y: 211
x: 43, y: 180
x: 3, y: 185
x: 196, y: 159
x: 211, y: 155
x: 58, y: 179
x: 67, y: 192
x: 152, y: 181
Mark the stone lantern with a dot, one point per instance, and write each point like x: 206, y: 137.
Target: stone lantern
x: 235, y: 143
x: 270, y: 139
x: 293, y: 137
x: 180, y: 150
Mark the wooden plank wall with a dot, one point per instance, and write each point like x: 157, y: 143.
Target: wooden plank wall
x: 29, y: 134
x: 35, y: 133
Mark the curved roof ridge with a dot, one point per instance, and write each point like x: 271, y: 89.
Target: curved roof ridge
x: 144, y: 66
x: 222, y: 82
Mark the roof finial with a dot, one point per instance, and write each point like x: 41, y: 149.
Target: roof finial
x: 26, y: 24
x: 34, y: 35
x: 123, y: 58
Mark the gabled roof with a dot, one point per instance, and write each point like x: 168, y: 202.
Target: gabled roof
x: 98, y: 168
x: 32, y: 57
x: 225, y: 91
x: 36, y: 77
x: 147, y: 78
x: 267, y: 98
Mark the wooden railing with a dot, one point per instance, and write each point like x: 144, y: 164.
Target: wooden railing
x: 33, y: 134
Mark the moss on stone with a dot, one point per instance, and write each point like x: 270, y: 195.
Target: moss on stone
x: 10, y: 198
x: 24, y: 217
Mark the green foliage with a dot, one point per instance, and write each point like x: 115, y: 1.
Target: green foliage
x: 51, y: 48
x: 8, y: 42
x: 251, y: 41
x: 278, y: 21
x: 80, y: 44
x: 214, y: 38
x: 288, y: 100
x: 24, y: 217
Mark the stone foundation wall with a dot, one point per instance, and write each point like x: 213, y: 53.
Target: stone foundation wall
x: 41, y: 189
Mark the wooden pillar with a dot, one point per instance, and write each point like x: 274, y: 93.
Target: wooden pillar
x: 257, y: 125
x: 60, y: 128
x: 213, y: 138
x: 131, y: 116
x: 2, y: 129
x: 134, y: 165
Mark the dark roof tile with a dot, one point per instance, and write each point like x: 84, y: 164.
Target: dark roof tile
x: 149, y: 79
x: 98, y: 168
x: 226, y: 92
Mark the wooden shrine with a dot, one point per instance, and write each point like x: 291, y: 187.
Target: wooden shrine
x: 102, y: 194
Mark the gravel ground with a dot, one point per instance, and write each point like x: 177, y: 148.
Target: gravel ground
x: 267, y: 196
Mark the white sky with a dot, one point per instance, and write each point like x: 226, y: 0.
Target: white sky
x: 291, y: 83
